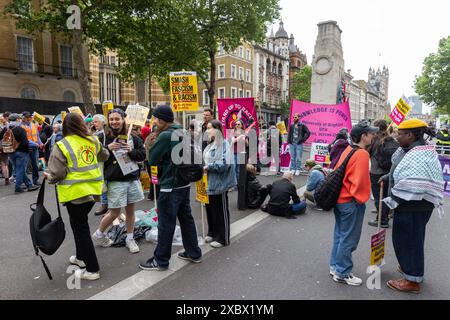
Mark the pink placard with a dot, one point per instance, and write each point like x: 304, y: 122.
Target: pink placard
x: 320, y: 158
x: 324, y: 121
x: 231, y: 110
x: 396, y: 116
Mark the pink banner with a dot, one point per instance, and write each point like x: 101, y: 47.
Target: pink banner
x: 231, y: 110
x: 397, y: 116
x: 324, y: 121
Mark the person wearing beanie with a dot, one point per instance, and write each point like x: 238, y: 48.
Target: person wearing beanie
x: 416, y: 188
x: 173, y: 199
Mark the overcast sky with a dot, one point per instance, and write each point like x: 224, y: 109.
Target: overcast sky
x: 403, y: 32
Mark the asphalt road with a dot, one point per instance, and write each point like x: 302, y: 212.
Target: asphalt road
x: 275, y: 259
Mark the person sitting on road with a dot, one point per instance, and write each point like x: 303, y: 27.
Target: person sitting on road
x: 256, y: 193
x: 281, y: 193
x: 316, y: 175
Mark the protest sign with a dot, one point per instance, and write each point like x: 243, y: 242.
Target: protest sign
x: 231, y: 110
x: 201, y: 187
x: 323, y: 121
x: 400, y: 111
x: 76, y: 110
x: 183, y: 91
x: 136, y: 115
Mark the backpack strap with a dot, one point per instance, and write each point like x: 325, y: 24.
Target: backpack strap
x: 347, y: 159
x: 40, y: 199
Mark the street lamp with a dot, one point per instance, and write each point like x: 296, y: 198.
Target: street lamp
x: 150, y: 60
x: 242, y: 87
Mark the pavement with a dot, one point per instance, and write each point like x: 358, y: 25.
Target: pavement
x: 269, y: 258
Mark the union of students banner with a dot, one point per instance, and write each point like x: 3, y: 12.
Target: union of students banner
x: 231, y: 110
x: 324, y: 121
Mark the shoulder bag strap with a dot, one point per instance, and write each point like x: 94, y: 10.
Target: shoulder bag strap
x: 40, y: 199
x: 347, y: 159
x: 57, y: 202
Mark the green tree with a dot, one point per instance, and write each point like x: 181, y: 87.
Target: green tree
x: 301, y: 84
x: 100, y: 25
x: 433, y: 85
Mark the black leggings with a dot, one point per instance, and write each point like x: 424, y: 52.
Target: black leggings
x: 78, y: 214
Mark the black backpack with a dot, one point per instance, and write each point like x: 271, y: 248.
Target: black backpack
x: 327, y: 192
x: 190, y: 171
x: 47, y: 235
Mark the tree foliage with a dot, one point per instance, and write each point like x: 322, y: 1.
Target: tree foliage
x: 433, y: 85
x: 301, y: 84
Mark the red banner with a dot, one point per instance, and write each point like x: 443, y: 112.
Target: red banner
x: 231, y: 110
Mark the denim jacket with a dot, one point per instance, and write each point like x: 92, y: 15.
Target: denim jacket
x: 221, y: 173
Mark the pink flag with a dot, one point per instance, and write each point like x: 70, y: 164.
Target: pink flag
x: 231, y: 110
x: 324, y: 121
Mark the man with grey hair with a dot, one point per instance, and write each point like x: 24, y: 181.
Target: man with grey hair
x: 281, y: 193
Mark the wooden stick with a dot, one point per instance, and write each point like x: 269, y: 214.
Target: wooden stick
x: 380, y: 206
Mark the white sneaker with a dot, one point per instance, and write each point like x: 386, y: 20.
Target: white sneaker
x: 132, y: 246
x: 208, y: 239
x: 104, y: 242
x: 297, y: 172
x: 75, y: 261
x: 83, y: 274
x: 351, y: 280
x: 216, y: 244
x: 332, y: 273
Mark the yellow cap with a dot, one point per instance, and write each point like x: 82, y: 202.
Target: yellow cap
x: 412, y: 124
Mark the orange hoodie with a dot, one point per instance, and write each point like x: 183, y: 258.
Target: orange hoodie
x: 357, y: 177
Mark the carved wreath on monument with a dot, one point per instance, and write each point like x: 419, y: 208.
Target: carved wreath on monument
x: 323, y: 64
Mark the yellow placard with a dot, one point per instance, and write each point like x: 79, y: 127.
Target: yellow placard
x: 183, y: 91
x: 106, y: 107
x: 63, y: 115
x: 154, y: 174
x: 136, y: 115
x: 377, y: 248
x: 76, y: 110
x: 38, y: 118
x: 282, y: 127
x: 403, y: 107
x: 201, y: 187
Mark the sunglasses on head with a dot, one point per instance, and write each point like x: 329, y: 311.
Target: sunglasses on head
x: 119, y: 111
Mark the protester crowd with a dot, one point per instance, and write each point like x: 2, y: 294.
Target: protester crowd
x: 83, y: 158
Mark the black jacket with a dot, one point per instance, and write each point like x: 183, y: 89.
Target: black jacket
x: 280, y: 195
x: 21, y: 137
x: 304, y: 134
x: 256, y: 193
x: 112, y: 168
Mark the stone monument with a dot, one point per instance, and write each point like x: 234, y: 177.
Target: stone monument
x: 328, y: 64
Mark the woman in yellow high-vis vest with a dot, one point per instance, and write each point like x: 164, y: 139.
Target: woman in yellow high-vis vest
x: 74, y: 166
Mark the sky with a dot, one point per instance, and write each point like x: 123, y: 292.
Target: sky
x: 399, y: 34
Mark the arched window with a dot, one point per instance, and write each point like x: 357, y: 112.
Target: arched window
x: 68, y: 96
x: 268, y: 66
x: 280, y: 69
x: 274, y: 67
x: 28, y: 93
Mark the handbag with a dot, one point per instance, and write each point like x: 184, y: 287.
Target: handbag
x: 47, y: 234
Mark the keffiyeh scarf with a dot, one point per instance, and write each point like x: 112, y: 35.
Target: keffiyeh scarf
x: 417, y: 176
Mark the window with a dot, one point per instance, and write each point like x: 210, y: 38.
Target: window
x: 66, y: 61
x: 241, y: 52
x: 101, y: 85
x: 248, y: 94
x: 233, y: 92
x: 241, y: 93
x: 205, y: 97
x: 25, y: 54
x: 113, y: 60
x: 233, y: 71
x: 221, y: 93
x: 248, y: 76
x: 241, y: 73
x: 221, y: 50
x: 248, y: 54
x: 221, y: 71
x: 28, y: 93
x: 111, y: 87
x: 69, y: 96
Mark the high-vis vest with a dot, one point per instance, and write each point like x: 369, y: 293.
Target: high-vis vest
x: 84, y: 176
x: 32, y: 133
x: 443, y: 141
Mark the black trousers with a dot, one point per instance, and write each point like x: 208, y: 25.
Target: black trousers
x: 376, y: 195
x: 218, y: 216
x: 78, y: 214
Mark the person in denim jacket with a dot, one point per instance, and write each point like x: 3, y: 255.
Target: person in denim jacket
x: 221, y: 177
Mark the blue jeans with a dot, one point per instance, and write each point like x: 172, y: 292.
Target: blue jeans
x: 20, y: 161
x: 408, y: 238
x: 296, y: 151
x: 347, y: 232
x: 298, y: 207
x: 170, y: 206
x: 34, y: 158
